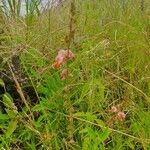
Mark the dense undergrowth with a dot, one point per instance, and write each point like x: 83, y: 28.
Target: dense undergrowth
x: 110, y: 74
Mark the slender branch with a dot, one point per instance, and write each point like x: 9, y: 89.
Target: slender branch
x: 19, y: 90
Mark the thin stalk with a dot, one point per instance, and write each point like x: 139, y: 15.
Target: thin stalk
x: 19, y: 90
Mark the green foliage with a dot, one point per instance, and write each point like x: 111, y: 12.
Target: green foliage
x: 111, y: 68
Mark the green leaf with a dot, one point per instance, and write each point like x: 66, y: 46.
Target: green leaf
x: 38, y: 107
x: 4, y: 117
x: 7, y: 100
x: 90, y: 117
x: 2, y: 83
x: 100, y: 122
x: 105, y: 134
x: 11, y: 113
x: 105, y: 130
x: 11, y: 128
x: 86, y: 143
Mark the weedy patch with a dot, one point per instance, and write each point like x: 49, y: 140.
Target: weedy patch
x: 75, y: 76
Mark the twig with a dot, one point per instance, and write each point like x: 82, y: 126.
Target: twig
x: 19, y: 90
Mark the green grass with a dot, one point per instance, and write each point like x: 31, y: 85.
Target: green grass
x: 111, y: 43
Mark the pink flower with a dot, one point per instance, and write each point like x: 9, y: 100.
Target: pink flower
x: 56, y: 65
x: 61, y: 57
x: 121, y: 116
x: 64, y: 74
x: 113, y: 109
x: 70, y: 55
